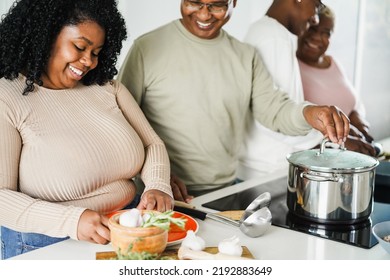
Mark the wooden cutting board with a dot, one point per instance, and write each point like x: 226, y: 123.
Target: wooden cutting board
x: 171, y: 253
x: 232, y: 214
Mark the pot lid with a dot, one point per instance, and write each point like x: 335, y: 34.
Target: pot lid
x: 330, y: 160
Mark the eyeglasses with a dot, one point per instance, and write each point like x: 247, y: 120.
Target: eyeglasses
x: 214, y: 8
x: 316, y: 18
x: 320, y: 6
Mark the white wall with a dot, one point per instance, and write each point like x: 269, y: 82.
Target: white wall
x: 374, y: 68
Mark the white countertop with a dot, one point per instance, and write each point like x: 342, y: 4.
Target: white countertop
x: 276, y: 244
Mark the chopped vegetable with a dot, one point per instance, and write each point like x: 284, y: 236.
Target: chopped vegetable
x: 163, y: 220
x: 133, y: 218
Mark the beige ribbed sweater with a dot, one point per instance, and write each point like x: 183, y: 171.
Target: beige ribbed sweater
x: 62, y: 151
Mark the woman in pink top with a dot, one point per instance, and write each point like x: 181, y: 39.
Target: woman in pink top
x: 324, y: 82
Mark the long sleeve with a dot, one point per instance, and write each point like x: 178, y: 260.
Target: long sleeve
x: 27, y: 213
x: 156, y: 170
x: 273, y: 108
x: 64, y: 151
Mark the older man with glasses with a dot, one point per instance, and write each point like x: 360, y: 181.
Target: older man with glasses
x: 197, y: 85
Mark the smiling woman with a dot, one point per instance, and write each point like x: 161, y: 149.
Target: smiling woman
x: 72, y: 138
x: 31, y: 57
x: 319, y: 70
x: 75, y: 53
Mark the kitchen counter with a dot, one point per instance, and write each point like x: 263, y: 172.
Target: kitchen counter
x: 276, y: 244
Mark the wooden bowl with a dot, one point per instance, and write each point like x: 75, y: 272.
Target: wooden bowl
x: 136, y: 239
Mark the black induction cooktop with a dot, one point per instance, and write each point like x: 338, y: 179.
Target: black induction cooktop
x: 356, y: 234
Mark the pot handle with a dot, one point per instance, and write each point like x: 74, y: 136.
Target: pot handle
x: 320, y: 178
x: 322, y: 147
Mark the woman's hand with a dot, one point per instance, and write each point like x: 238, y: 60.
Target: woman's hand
x: 179, y: 190
x: 360, y: 145
x: 329, y: 120
x: 155, y: 200
x: 355, y: 132
x: 93, y: 227
x: 361, y: 125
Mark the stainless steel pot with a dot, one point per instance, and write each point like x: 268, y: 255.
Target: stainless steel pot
x: 331, y: 185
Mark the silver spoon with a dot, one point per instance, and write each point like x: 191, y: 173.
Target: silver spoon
x: 254, y: 225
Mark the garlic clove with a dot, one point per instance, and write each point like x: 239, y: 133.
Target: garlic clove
x: 193, y: 242
x: 230, y: 246
x: 130, y: 218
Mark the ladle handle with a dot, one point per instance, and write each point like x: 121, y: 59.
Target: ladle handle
x: 192, y: 212
x: 222, y: 219
x: 203, y: 215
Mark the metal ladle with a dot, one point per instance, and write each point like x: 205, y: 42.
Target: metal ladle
x: 263, y: 200
x: 257, y: 217
x: 254, y: 222
x: 257, y: 223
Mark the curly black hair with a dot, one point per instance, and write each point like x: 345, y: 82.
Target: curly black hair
x: 30, y: 28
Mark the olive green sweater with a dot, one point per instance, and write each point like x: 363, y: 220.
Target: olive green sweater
x: 197, y: 95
